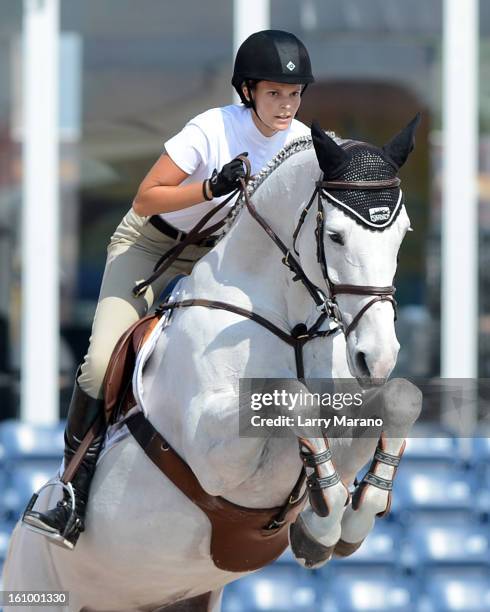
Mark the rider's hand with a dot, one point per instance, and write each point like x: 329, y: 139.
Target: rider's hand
x: 226, y: 181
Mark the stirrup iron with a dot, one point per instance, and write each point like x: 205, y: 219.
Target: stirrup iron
x: 60, y: 539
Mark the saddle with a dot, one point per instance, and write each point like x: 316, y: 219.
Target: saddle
x: 242, y: 539
x: 118, y: 391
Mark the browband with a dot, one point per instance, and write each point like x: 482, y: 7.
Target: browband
x: 361, y: 185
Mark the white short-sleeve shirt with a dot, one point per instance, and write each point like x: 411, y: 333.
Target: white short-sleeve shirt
x: 210, y: 141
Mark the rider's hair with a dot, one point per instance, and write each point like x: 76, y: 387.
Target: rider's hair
x: 250, y: 85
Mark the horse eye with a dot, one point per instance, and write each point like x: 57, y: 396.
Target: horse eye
x: 337, y: 238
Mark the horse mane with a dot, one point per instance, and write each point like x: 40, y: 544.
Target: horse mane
x: 302, y: 143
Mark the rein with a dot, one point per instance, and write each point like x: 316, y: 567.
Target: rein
x: 193, y: 237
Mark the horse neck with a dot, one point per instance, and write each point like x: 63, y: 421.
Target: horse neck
x: 246, y: 267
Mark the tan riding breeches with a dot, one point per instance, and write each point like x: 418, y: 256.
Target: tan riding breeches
x: 134, y: 249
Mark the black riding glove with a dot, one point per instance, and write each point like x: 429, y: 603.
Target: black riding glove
x: 226, y: 181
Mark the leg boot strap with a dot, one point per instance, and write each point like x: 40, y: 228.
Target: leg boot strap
x: 371, y: 478
x: 316, y: 483
x: 312, y: 459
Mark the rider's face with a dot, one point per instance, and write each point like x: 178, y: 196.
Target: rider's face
x: 276, y: 104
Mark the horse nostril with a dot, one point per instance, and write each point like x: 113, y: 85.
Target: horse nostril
x: 362, y: 364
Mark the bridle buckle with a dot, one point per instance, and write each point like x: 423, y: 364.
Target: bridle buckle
x: 333, y: 311
x: 285, y: 260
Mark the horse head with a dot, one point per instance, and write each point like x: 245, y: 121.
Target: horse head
x: 360, y: 224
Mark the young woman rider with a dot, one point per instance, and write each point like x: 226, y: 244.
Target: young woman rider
x: 272, y: 69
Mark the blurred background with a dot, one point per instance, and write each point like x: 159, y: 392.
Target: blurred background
x: 131, y: 74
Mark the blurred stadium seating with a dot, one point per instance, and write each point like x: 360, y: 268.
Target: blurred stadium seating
x: 431, y: 554
x: 24, y: 442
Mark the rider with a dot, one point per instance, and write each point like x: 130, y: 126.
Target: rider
x: 272, y: 70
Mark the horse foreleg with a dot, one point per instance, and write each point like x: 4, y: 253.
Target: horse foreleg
x: 402, y: 402
x: 317, y: 529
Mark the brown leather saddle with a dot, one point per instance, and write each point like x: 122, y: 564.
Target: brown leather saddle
x: 118, y: 392
x: 242, y: 539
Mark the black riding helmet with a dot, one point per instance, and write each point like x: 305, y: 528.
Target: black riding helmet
x: 271, y: 55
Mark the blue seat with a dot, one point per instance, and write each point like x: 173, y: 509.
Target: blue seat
x: 457, y: 591
x: 381, y: 547
x: 277, y: 587
x: 431, y: 442
x: 23, y: 441
x: 3, y: 490
x: 480, y: 451
x: 447, y: 545
x: 372, y: 593
x: 5, y: 533
x: 433, y: 488
x: 287, y: 557
x: 483, y: 494
x: 22, y: 481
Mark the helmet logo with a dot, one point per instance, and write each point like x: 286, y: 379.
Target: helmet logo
x: 290, y: 66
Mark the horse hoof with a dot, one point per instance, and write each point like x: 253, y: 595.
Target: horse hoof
x: 345, y: 549
x: 308, y: 552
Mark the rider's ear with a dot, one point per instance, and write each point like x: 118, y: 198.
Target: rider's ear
x: 400, y: 147
x: 331, y: 158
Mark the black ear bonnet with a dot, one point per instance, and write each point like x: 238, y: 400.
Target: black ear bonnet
x: 352, y: 161
x: 376, y: 209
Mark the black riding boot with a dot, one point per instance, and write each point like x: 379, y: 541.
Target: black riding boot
x: 60, y: 524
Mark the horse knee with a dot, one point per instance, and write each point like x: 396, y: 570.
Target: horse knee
x: 402, y: 402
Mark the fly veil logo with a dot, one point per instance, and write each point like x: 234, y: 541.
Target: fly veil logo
x: 379, y: 213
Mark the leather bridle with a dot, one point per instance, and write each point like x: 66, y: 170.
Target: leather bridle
x: 326, y: 303
x: 381, y: 294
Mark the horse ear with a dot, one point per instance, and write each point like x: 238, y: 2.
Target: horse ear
x: 331, y: 157
x: 399, y: 148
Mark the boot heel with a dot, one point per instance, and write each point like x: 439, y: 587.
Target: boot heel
x: 31, y: 522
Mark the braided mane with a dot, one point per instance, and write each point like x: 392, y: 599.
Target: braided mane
x: 302, y: 143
